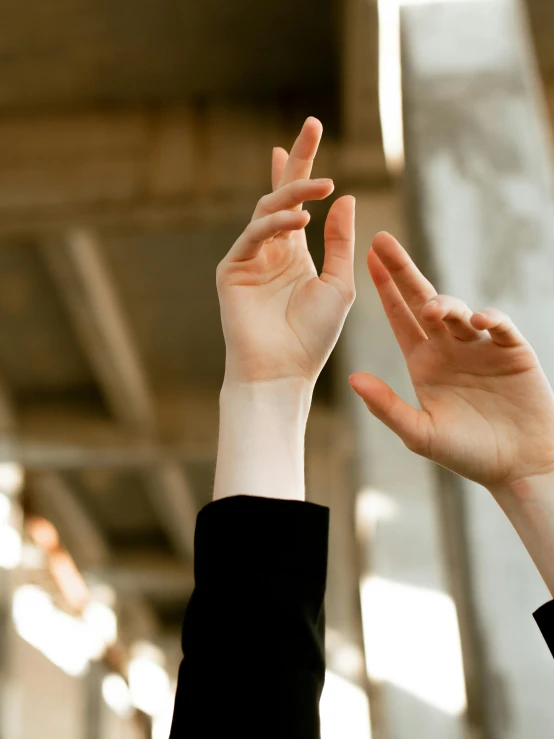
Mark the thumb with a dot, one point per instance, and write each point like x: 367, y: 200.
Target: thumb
x: 411, y: 425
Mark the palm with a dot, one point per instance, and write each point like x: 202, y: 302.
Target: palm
x: 487, y: 410
x: 484, y: 401
x: 280, y: 319
x: 287, y: 318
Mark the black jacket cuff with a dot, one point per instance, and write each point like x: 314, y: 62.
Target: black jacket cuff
x: 544, y: 616
x: 244, y: 538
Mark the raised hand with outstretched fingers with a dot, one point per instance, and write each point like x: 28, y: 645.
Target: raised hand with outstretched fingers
x: 487, y: 409
x: 280, y: 318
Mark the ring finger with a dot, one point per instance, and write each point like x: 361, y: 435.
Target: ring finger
x: 294, y: 194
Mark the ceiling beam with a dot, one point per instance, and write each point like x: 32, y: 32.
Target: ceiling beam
x: 173, y: 502
x: 7, y: 413
x: 54, y: 499
x: 87, y: 289
x: 36, y: 453
x: 89, y: 295
x: 161, y: 580
x: 164, y: 169
x: 64, y: 436
x: 51, y: 438
x: 139, y: 215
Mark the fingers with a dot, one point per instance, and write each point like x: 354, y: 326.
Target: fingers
x: 300, y: 162
x: 292, y: 195
x: 257, y: 232
x: 338, y: 264
x: 500, y: 327
x: 411, y: 425
x: 407, y: 330
x: 412, y: 285
x: 278, y: 163
x: 455, y: 314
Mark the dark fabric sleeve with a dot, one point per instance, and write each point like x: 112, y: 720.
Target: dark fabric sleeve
x: 254, y: 630
x: 544, y: 617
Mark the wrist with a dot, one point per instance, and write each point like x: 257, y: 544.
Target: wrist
x: 529, y: 505
x: 526, y: 488
x: 261, y: 438
x: 289, y: 397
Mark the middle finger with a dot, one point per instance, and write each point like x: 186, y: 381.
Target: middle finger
x: 301, y: 158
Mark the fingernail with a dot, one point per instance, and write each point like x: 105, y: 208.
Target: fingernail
x: 323, y: 179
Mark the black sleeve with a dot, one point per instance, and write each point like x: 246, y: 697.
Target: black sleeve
x: 254, y: 630
x: 544, y: 617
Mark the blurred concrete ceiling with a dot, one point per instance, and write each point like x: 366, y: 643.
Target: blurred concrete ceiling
x: 68, y: 53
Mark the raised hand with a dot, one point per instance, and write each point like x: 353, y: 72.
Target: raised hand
x: 487, y: 409
x: 280, y: 318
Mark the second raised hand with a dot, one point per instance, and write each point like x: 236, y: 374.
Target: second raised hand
x: 280, y: 318
x: 487, y: 409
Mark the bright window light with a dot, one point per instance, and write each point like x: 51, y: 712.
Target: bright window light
x: 11, y: 478
x: 390, y: 84
x: 390, y: 77
x: 62, y: 638
x: 161, y: 725
x: 343, y: 657
x: 101, y: 623
x: 343, y: 710
x: 148, y: 681
x: 32, y: 557
x: 373, y: 507
x: 5, y: 508
x: 420, y: 653
x: 10, y: 547
x: 117, y: 695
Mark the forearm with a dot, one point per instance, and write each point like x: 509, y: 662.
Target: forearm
x: 530, y: 507
x: 261, y: 439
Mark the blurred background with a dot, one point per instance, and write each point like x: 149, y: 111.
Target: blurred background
x: 135, y: 140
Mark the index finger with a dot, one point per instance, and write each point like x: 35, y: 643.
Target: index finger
x: 302, y: 155
x: 412, y: 285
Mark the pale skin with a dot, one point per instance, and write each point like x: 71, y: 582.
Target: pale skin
x: 280, y: 321
x: 487, y: 409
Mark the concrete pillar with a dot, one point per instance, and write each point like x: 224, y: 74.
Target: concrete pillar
x: 329, y: 484
x: 410, y: 628
x: 6, y: 694
x: 344, y: 702
x: 92, y: 718
x: 479, y: 174
x: 114, y: 727
x: 50, y: 703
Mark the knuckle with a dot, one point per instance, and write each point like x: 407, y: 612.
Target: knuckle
x: 435, y: 300
x: 498, y: 316
x: 219, y: 272
x: 251, y: 228
x: 413, y: 444
x: 350, y: 294
x: 263, y: 202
